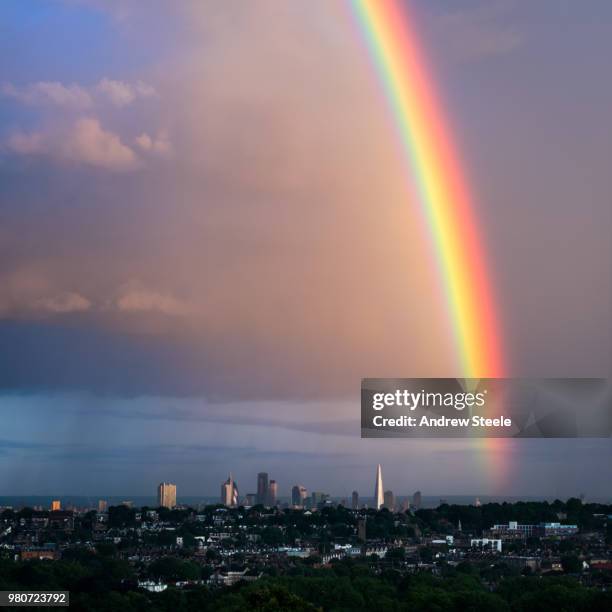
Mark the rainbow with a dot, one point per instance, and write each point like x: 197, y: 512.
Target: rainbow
x: 436, y: 175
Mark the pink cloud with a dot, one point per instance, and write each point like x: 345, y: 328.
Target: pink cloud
x: 83, y: 142
x: 91, y: 144
x: 135, y: 298
x: 159, y: 145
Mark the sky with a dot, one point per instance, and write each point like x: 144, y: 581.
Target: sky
x: 206, y: 241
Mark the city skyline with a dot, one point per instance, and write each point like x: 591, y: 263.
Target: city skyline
x: 268, y: 495
x: 287, y: 491
x: 299, y: 496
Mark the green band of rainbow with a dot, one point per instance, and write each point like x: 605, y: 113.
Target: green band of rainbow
x: 440, y: 185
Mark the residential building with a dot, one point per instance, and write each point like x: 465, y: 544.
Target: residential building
x: 166, y: 495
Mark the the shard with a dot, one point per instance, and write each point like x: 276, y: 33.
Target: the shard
x: 379, y: 498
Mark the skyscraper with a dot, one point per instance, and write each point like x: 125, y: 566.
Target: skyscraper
x: 361, y: 529
x: 416, y: 500
x: 298, y: 496
x: 355, y: 500
x: 229, y: 493
x: 272, y: 493
x: 389, y: 501
x: 56, y: 505
x: 102, y: 505
x: 379, y: 498
x: 318, y: 499
x: 262, y: 488
x: 166, y: 495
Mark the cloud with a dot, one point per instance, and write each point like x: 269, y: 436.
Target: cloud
x: 83, y: 142
x: 308, y: 417
x: 160, y: 145
x: 64, y: 303
x: 35, y: 290
x: 40, y: 288
x: 135, y: 298
x: 78, y: 97
x: 50, y: 92
x: 89, y: 143
x: 77, y: 137
x: 121, y: 94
